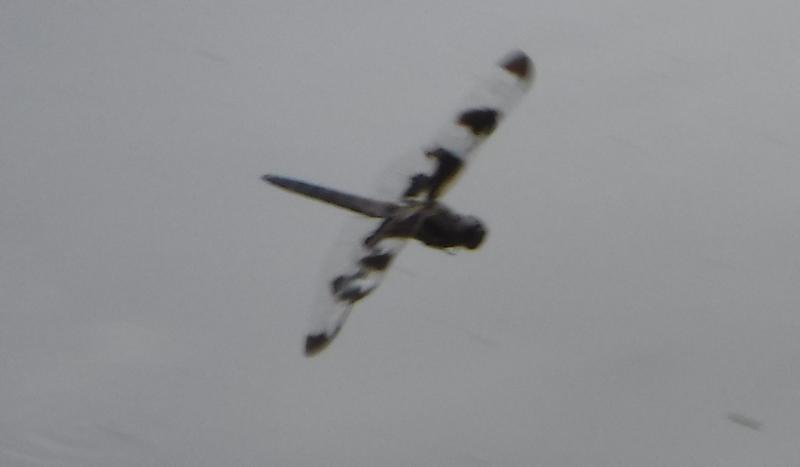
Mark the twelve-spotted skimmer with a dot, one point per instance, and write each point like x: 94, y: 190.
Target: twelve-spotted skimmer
x: 415, y: 213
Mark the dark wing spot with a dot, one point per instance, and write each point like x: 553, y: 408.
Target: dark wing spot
x: 377, y: 262
x: 518, y: 64
x: 353, y: 294
x: 418, y: 184
x: 338, y: 283
x: 481, y: 122
x: 378, y: 234
x: 448, y: 166
x: 315, y: 344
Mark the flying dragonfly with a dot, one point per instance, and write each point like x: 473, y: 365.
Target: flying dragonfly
x: 415, y: 211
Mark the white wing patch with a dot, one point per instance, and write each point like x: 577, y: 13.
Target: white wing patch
x: 368, y: 257
x: 499, y: 92
x: 353, y: 281
x: 452, y: 147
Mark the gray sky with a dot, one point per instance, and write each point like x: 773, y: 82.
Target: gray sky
x: 636, y: 302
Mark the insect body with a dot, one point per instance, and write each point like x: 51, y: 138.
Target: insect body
x: 416, y: 213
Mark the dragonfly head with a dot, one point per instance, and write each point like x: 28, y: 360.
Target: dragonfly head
x: 472, y: 232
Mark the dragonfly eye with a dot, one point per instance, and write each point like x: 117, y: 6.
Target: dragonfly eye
x: 474, y: 232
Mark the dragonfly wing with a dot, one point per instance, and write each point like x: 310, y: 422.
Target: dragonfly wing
x: 429, y: 174
x: 356, y: 266
x: 356, y: 276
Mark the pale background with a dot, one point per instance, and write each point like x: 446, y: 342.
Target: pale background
x: 636, y: 304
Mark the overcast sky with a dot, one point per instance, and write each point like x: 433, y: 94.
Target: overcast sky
x: 636, y: 302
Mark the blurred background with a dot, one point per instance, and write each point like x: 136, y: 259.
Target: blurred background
x: 636, y: 302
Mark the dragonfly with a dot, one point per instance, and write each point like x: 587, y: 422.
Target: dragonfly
x: 414, y: 211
